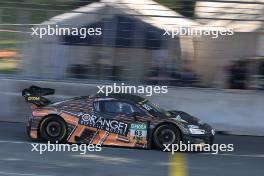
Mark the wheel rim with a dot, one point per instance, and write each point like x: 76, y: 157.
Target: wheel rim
x: 53, y: 129
x: 167, y: 136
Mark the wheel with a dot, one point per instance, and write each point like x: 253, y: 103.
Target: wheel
x: 166, y: 134
x: 53, y: 129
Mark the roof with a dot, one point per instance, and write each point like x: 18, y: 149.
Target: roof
x: 148, y: 11
x: 217, y: 15
x: 121, y: 96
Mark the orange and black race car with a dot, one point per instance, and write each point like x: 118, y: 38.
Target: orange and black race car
x: 117, y: 120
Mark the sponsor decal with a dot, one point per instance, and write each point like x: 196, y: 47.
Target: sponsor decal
x: 147, y: 107
x: 138, y: 130
x: 110, y: 125
x: 33, y: 98
x: 179, y: 118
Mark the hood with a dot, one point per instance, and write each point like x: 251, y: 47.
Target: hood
x: 185, y: 118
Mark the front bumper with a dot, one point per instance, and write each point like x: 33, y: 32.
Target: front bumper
x: 206, y: 138
x: 199, y: 139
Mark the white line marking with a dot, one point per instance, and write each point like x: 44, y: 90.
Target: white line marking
x: 237, y: 155
x: 26, y: 24
x: 222, y: 154
x: 15, y: 173
x: 17, y: 142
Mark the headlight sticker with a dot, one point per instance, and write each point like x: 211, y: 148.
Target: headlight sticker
x: 194, y: 129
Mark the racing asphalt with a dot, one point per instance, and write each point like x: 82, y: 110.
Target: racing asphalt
x: 16, y: 158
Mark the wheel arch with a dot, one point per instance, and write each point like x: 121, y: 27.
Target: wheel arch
x: 45, y: 117
x: 160, y: 124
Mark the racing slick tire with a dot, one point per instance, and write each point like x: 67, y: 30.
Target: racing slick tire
x: 53, y: 129
x: 166, y: 134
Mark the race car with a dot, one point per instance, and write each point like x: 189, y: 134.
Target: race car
x: 124, y: 120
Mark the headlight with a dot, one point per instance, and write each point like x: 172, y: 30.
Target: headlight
x: 213, y: 132
x: 194, y: 129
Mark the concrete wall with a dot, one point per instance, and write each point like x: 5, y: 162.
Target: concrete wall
x: 237, y: 112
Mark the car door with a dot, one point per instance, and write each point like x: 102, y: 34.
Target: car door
x: 124, y: 128
x: 130, y: 114
x: 111, y: 128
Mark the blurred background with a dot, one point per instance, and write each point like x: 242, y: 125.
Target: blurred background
x: 133, y: 47
x: 220, y: 80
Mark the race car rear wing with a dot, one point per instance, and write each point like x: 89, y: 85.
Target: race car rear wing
x: 34, y: 94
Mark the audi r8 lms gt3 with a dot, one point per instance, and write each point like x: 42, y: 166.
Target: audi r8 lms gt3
x: 117, y: 120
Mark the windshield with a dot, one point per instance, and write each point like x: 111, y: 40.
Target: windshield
x: 155, y: 110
